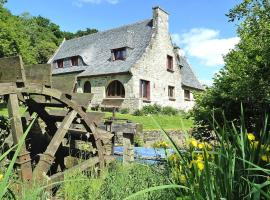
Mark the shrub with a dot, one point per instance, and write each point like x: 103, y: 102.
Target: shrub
x: 168, y: 110
x: 138, y: 112
x: 152, y: 109
x: 138, y: 140
x: 124, y: 110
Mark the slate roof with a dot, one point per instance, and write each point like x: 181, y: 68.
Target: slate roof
x: 95, y: 52
x: 95, y: 49
x: 189, y: 78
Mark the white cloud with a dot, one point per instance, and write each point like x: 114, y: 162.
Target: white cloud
x: 80, y: 3
x: 205, y: 45
x: 208, y: 82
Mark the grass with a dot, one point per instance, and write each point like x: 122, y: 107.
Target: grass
x: 167, y: 122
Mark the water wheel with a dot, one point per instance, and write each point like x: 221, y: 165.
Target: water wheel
x: 62, y: 123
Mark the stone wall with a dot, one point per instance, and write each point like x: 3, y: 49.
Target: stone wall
x: 153, y: 66
x: 100, y: 83
x: 150, y: 137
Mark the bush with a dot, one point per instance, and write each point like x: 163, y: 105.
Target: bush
x: 156, y: 110
x: 152, y: 109
x: 124, y: 110
x: 138, y: 112
x: 168, y: 110
x: 138, y: 140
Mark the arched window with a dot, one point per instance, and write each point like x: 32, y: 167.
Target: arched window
x: 87, y: 87
x: 115, y: 89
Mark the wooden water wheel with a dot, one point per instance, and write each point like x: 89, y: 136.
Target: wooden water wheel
x: 62, y: 123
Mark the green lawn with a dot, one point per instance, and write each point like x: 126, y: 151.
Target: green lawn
x: 167, y: 122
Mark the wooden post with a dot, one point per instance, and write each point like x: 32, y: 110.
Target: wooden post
x: 24, y: 160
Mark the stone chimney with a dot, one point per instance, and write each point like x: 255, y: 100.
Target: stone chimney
x: 160, y: 20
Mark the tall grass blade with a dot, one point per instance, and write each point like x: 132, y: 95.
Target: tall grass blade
x: 151, y: 189
x: 7, y: 175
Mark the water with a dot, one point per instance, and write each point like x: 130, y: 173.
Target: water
x: 149, y: 155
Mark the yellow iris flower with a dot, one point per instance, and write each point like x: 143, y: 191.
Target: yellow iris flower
x: 251, y: 136
x: 1, y: 177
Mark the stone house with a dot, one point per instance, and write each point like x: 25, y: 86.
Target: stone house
x: 136, y: 64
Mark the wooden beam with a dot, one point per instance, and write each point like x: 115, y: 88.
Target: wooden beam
x: 47, y: 158
x: 23, y: 160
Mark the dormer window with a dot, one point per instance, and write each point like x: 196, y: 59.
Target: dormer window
x: 74, y: 61
x: 60, y: 63
x: 119, y: 54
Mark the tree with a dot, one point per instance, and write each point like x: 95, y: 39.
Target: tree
x: 245, y: 78
x: 34, y: 38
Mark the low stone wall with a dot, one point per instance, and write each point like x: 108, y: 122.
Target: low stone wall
x: 150, y: 137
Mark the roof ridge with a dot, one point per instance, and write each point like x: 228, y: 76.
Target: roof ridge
x: 101, y: 32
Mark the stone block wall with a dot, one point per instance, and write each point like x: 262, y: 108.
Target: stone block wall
x: 153, y: 66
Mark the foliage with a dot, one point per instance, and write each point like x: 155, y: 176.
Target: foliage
x: 138, y: 140
x: 156, y: 110
x: 34, y: 38
x: 168, y: 110
x: 79, y: 33
x: 123, y: 181
x: 138, y: 112
x: 4, y: 184
x: 124, y: 110
x: 116, y: 183
x: 152, y: 109
x: 245, y: 77
x: 235, y: 167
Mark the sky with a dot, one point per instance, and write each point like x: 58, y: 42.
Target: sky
x: 199, y: 27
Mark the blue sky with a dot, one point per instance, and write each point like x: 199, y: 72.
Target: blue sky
x: 200, y: 27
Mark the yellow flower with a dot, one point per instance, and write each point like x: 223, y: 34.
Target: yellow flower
x: 1, y: 177
x: 251, y: 136
x: 194, y: 143
x: 201, y: 145
x: 255, y: 144
x: 182, y: 178
x: 200, y: 157
x: 265, y: 158
x: 200, y: 165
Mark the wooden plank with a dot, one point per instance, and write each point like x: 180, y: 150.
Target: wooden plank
x: 96, y: 117
x: 64, y: 82
x: 40, y: 74
x: 112, y: 102
x: 23, y: 160
x: 82, y: 99
x: 47, y: 158
x: 11, y: 70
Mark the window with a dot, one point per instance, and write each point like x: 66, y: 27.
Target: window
x: 60, y: 63
x: 187, y: 95
x: 169, y: 63
x: 119, y: 54
x: 87, y: 87
x: 171, y: 92
x: 145, y: 89
x: 115, y: 89
x: 74, y: 61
